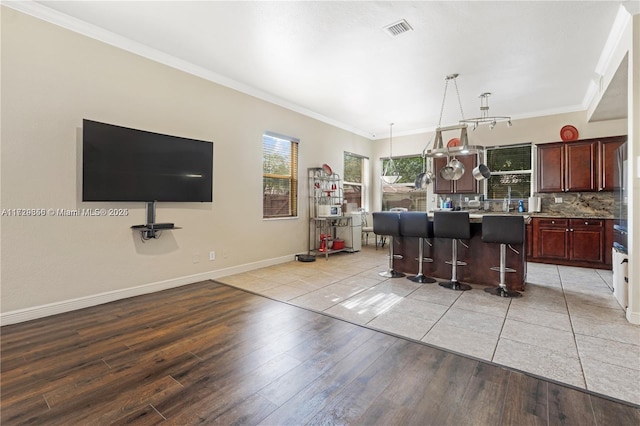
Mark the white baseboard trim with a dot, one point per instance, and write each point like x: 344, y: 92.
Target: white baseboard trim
x: 35, y: 312
x: 633, y: 317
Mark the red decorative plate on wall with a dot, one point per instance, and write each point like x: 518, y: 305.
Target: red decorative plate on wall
x: 453, y: 142
x: 569, y: 133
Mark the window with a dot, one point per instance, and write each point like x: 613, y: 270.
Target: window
x: 510, y: 170
x: 403, y: 193
x: 279, y: 176
x: 354, y: 179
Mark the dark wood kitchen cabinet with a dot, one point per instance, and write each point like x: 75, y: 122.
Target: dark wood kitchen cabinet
x: 606, y: 154
x: 467, y: 184
x: 580, y: 166
x: 570, y: 166
x: 574, y: 242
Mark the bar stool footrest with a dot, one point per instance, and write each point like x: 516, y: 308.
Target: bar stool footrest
x: 497, y: 269
x: 458, y: 263
x: 424, y: 259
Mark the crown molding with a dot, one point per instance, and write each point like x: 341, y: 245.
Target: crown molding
x: 40, y: 11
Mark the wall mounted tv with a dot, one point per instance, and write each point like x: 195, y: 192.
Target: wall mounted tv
x: 123, y: 164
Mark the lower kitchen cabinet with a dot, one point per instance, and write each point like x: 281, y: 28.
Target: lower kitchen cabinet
x: 572, y: 241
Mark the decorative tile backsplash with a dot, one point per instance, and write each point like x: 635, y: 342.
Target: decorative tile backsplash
x: 590, y: 204
x: 574, y: 204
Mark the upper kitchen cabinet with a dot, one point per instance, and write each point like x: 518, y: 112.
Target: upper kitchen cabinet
x: 607, y: 149
x: 581, y: 162
x: 585, y: 165
x: 467, y: 184
x: 551, y: 167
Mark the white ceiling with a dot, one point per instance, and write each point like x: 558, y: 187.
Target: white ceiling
x: 334, y: 61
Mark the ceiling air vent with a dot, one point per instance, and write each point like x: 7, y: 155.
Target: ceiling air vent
x: 398, y: 28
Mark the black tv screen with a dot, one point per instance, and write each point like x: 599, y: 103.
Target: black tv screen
x: 123, y: 164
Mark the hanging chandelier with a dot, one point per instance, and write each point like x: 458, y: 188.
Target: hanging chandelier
x: 484, y: 115
x: 390, y: 174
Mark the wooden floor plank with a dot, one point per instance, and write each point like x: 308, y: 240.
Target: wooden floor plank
x: 211, y: 353
x: 442, y: 395
x: 310, y: 400
x: 609, y: 413
x: 526, y: 401
x: 569, y: 406
x: 145, y: 416
x: 355, y: 398
x: 484, y: 398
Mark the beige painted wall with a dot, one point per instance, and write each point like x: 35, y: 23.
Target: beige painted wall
x: 52, y: 78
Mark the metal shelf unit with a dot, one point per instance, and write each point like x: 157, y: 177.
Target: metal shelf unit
x: 326, y: 200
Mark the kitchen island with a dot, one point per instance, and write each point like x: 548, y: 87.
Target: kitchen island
x: 479, y: 256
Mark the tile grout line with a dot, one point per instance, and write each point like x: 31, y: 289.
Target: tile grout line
x: 504, y: 321
x: 573, y: 331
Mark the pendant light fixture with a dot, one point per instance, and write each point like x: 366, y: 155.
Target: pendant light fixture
x: 484, y: 115
x: 390, y: 173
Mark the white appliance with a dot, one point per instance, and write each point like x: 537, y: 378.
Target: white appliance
x: 329, y: 210
x: 352, y: 234
x: 620, y: 277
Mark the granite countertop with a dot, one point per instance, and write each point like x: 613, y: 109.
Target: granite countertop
x: 475, y: 216
x: 578, y: 215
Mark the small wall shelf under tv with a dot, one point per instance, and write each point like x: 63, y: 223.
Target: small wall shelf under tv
x: 152, y: 229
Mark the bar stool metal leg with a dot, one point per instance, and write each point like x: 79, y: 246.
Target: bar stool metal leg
x: 504, y: 230
x: 454, y: 284
x: 391, y: 273
x: 420, y: 278
x: 502, y: 290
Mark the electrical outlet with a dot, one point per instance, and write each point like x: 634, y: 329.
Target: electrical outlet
x: 466, y: 199
x: 212, y: 255
x: 558, y: 200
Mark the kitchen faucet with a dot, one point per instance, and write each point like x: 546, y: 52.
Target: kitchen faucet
x: 507, y: 202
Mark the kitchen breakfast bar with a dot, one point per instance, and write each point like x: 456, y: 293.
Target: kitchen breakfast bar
x: 478, y: 255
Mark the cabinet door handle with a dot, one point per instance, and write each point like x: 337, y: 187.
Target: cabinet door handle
x: 571, y: 230
x: 586, y: 223
x: 566, y: 230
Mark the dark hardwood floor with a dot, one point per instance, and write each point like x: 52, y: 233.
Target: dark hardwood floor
x: 211, y: 354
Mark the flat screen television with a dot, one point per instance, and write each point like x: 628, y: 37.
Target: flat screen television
x: 123, y: 164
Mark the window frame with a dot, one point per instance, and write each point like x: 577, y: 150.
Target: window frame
x: 292, y: 177
x: 363, y: 184
x: 417, y: 198
x: 529, y: 172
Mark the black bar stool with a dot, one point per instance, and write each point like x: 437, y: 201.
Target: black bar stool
x: 453, y: 225
x: 388, y: 223
x: 504, y: 230
x: 416, y: 224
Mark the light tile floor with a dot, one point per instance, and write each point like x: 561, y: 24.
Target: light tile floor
x: 567, y: 326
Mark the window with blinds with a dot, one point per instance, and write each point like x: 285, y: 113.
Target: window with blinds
x: 279, y: 176
x: 510, y: 171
